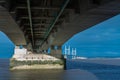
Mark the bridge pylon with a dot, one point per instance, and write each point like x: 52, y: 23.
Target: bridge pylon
x: 56, y: 52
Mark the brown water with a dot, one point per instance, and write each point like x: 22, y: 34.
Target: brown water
x: 77, y: 70
x: 55, y: 74
x: 6, y: 74
x: 90, y: 71
x: 36, y: 75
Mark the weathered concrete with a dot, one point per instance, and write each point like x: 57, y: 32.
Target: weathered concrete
x: 85, y: 18
x: 80, y: 22
x: 56, y: 52
x: 9, y: 27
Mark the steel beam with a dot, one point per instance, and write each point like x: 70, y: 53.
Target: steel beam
x: 38, y: 17
x: 49, y: 8
x: 30, y: 20
x: 54, y: 21
x: 36, y: 28
x: 38, y: 8
x: 41, y: 8
x: 38, y: 24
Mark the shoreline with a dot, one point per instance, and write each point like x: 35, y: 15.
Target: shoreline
x: 47, y: 64
x: 36, y: 66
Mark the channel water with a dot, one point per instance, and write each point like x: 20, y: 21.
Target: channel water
x: 76, y: 70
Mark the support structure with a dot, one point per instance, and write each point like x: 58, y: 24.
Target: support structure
x: 44, y: 23
x: 56, y: 52
x: 30, y: 20
x: 74, y: 52
x: 55, y: 20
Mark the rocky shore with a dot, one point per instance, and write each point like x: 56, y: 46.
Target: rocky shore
x: 48, y: 64
x: 45, y: 66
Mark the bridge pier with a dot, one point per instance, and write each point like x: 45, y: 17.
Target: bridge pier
x: 56, y: 52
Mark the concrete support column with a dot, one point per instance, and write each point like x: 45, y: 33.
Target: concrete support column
x: 56, y: 52
x: 29, y: 47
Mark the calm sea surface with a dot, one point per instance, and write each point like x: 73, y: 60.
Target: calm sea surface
x: 98, y: 71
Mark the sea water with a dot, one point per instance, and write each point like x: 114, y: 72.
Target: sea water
x: 103, y: 69
x: 76, y: 70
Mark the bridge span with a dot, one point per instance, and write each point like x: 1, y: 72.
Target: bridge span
x: 43, y: 24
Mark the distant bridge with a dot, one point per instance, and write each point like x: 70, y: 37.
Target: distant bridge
x: 40, y: 24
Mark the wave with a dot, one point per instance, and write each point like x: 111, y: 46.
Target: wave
x: 81, y: 58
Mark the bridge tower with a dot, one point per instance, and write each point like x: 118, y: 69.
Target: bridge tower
x: 74, y: 52
x: 67, y: 51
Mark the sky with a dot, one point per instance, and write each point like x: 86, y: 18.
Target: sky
x: 6, y: 46
x: 101, y: 40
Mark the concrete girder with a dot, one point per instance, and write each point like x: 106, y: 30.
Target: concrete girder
x: 45, y: 46
x: 80, y: 22
x: 9, y: 27
x: 48, y: 42
x: 56, y: 52
x: 54, y: 22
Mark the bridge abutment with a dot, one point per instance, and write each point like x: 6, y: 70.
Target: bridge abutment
x: 56, y: 52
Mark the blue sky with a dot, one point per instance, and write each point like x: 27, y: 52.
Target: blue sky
x: 6, y: 46
x: 101, y: 40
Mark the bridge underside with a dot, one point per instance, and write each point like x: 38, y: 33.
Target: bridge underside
x: 78, y: 22
x: 9, y: 26
x: 48, y: 23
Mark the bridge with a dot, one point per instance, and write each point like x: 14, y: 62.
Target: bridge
x: 42, y: 24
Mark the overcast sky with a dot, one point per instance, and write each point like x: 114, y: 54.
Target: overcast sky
x: 100, y: 40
